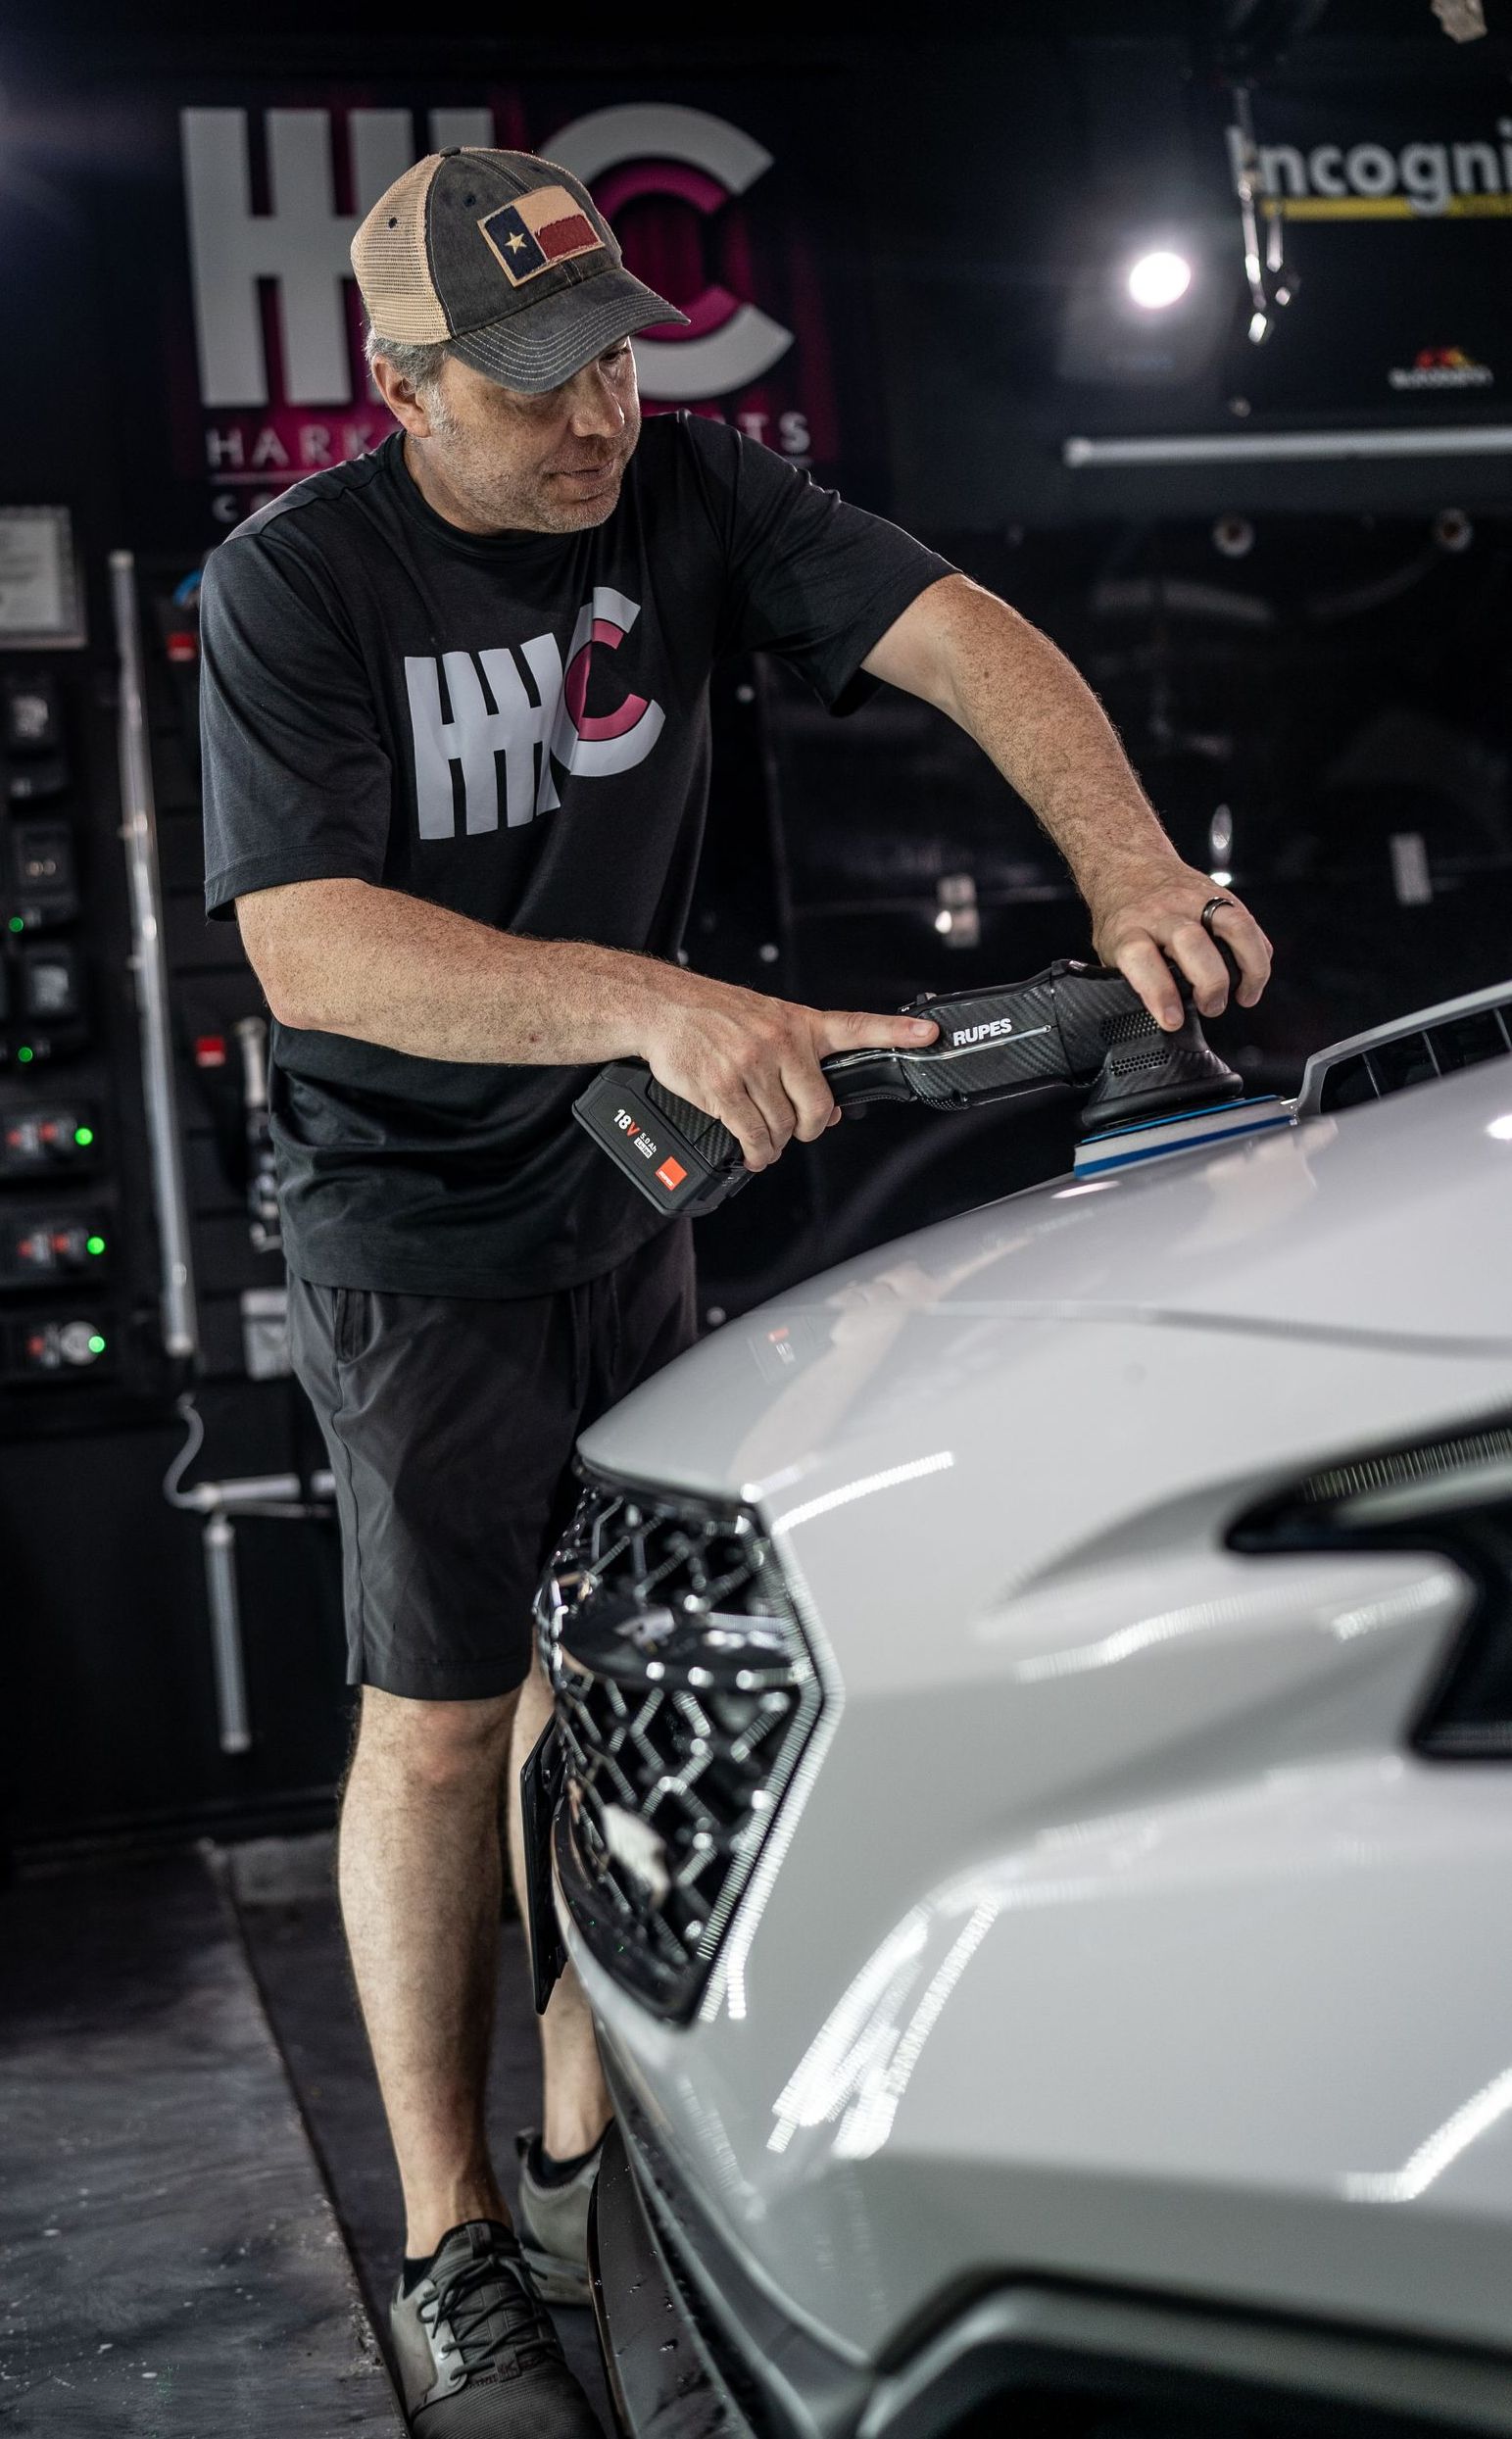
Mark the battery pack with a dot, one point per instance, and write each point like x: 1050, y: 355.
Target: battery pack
x: 677, y: 1155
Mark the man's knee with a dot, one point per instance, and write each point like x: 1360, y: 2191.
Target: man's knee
x: 440, y: 1746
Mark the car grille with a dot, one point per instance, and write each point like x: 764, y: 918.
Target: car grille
x: 685, y: 1694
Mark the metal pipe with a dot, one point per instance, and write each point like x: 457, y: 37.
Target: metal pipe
x: 251, y: 1041
x: 262, y: 1216
x: 252, y: 1491
x: 1464, y: 440
x: 225, y: 1643
x: 139, y: 833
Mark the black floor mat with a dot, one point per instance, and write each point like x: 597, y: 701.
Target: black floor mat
x: 286, y: 1899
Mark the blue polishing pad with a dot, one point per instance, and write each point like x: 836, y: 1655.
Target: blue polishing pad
x: 1189, y: 1129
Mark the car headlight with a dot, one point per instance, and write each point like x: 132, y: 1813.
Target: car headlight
x: 684, y: 1694
x: 1451, y: 1495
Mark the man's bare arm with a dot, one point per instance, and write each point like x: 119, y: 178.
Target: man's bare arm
x: 342, y: 956
x: 1012, y: 690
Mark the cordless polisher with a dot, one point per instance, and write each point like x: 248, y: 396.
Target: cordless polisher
x: 1073, y: 1030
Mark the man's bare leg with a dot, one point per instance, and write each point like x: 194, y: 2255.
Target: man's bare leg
x: 577, y: 2104
x: 419, y: 1874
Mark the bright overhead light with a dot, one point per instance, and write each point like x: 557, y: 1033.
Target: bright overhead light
x: 1158, y: 280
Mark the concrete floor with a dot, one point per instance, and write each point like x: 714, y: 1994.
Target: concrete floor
x: 199, y: 2216
x: 171, y: 2267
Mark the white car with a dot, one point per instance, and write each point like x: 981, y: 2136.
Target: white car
x: 1036, y: 1706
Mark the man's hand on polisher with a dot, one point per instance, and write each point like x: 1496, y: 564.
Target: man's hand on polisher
x: 753, y: 1062
x: 1151, y: 912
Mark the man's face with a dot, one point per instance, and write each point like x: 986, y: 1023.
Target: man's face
x: 503, y: 459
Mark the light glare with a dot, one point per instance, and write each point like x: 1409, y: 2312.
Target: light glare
x: 1158, y: 280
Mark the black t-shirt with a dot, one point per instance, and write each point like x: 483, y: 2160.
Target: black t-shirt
x: 515, y: 726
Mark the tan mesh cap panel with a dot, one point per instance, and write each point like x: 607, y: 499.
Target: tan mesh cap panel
x: 389, y: 258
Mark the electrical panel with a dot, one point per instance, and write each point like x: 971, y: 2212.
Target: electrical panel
x: 60, y: 1196
x: 134, y: 1142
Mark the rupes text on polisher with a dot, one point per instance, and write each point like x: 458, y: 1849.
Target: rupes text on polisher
x: 981, y: 1033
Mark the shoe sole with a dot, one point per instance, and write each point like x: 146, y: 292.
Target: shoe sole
x: 555, y: 2279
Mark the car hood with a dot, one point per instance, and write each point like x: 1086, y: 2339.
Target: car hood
x: 1385, y: 1228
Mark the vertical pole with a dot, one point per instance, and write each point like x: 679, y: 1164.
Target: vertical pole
x: 140, y: 832
x: 225, y: 1641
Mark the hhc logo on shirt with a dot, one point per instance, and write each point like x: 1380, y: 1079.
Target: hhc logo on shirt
x: 529, y: 735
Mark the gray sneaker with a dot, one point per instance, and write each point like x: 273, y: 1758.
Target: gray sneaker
x: 553, y: 2222
x: 478, y: 2358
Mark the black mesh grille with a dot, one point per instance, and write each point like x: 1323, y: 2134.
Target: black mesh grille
x: 685, y: 1694
x: 1139, y: 1063
x: 1131, y: 1028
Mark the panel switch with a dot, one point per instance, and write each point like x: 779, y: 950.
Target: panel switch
x: 36, y: 1142
x: 50, y: 988
x: 36, y: 1248
x: 54, y: 1349
x: 45, y: 881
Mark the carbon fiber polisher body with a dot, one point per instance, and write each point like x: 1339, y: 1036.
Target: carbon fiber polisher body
x: 1075, y: 1029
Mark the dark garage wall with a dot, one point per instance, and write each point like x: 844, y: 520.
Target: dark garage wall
x: 942, y: 227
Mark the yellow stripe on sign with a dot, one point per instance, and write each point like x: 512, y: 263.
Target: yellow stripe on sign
x: 1385, y: 208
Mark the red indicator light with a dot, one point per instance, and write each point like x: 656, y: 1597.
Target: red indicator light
x: 210, y: 1050
x: 183, y: 644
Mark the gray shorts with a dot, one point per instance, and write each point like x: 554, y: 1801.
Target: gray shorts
x: 450, y: 1423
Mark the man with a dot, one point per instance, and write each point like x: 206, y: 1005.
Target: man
x: 456, y: 768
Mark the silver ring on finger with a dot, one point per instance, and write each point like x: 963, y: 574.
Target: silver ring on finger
x: 1205, y: 919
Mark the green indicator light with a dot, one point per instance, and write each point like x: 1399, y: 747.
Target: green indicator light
x: 26, y: 1055
x: 94, y: 1245
x: 18, y: 922
x: 82, y: 1134
x: 97, y: 1345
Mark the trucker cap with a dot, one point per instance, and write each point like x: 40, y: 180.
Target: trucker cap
x: 506, y: 256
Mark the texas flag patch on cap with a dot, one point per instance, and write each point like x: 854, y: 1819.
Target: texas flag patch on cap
x: 545, y: 227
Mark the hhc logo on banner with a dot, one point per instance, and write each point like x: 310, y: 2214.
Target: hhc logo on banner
x: 269, y: 422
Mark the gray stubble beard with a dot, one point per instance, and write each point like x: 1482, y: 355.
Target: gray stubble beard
x: 542, y: 516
